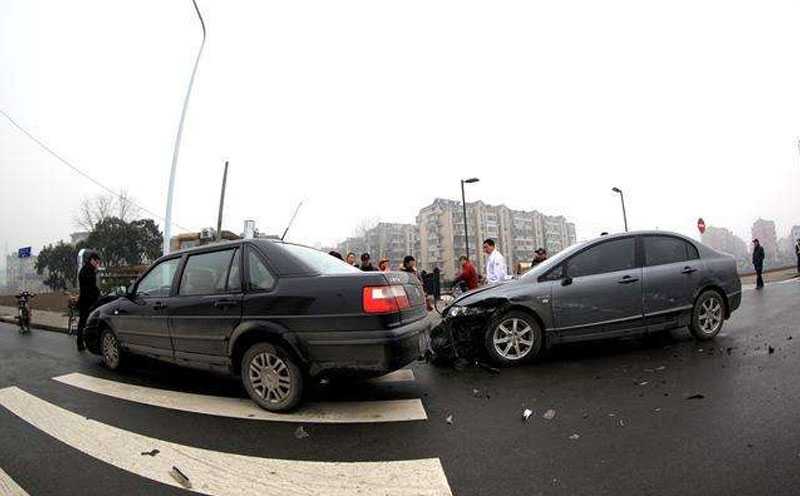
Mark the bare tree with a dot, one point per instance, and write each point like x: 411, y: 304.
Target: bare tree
x: 100, y: 207
x: 365, y: 225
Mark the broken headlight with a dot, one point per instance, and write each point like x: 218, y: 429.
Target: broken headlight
x: 465, y: 311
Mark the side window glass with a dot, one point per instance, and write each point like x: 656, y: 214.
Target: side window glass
x: 660, y: 250
x: 235, y: 274
x: 555, y: 274
x: 205, y: 274
x: 260, y: 278
x: 158, y: 282
x: 692, y: 251
x: 610, y: 256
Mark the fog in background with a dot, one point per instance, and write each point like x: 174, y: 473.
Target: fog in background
x: 366, y: 109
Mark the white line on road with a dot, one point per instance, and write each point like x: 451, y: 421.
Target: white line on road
x: 214, y: 472
x: 8, y: 487
x: 402, y: 375
x: 345, y: 412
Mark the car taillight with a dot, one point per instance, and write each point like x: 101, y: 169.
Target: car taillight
x: 385, y: 299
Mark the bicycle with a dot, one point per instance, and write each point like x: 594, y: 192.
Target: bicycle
x: 24, y: 311
x: 72, y: 315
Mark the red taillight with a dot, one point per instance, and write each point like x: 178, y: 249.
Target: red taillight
x: 385, y: 299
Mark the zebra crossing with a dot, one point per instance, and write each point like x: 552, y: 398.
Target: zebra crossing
x: 216, y: 472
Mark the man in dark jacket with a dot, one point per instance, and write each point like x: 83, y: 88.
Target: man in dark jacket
x: 758, y: 263
x: 87, y: 279
x: 366, y: 265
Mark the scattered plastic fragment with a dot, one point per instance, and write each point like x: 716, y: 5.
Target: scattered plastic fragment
x: 490, y: 369
x: 549, y: 415
x: 575, y: 437
x: 621, y: 423
x: 658, y: 410
x: 585, y: 416
x: 180, y: 477
x: 449, y: 419
x: 476, y: 392
x: 643, y: 383
x: 300, y: 433
x: 151, y: 453
x: 527, y: 414
x: 663, y: 367
x: 771, y: 350
x: 696, y: 396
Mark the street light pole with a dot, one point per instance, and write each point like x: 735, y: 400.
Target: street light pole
x: 464, y: 206
x: 622, y: 198
x: 168, y: 216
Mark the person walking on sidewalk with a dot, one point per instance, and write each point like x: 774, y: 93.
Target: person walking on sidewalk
x: 496, y: 267
x: 758, y: 263
x: 87, y: 279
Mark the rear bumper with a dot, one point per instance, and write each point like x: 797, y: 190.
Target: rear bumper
x: 734, y: 300
x: 364, y: 353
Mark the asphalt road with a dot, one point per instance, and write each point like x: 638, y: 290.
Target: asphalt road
x: 622, y: 425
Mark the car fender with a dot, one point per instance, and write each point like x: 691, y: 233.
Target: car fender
x: 268, y: 330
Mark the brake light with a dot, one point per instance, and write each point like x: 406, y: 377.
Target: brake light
x: 385, y: 299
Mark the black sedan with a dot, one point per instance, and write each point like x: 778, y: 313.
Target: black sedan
x: 274, y: 313
x: 613, y: 286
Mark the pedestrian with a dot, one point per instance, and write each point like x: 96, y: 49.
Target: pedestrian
x: 410, y: 266
x: 336, y: 254
x: 539, y: 257
x: 496, y: 268
x: 797, y: 252
x: 758, y: 263
x: 468, y: 278
x: 351, y: 259
x: 366, y: 265
x: 384, y: 265
x: 89, y: 293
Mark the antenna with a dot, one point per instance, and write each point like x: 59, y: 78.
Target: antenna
x: 290, y: 222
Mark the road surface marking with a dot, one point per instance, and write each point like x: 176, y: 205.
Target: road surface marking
x: 787, y: 281
x: 345, y: 412
x: 8, y: 487
x: 402, y: 375
x: 214, y: 472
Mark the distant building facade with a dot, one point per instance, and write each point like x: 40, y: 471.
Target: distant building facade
x: 723, y: 240
x: 391, y: 240
x: 21, y: 275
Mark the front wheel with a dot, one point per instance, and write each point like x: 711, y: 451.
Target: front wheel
x: 513, y: 337
x: 272, y: 378
x: 110, y: 350
x: 708, y: 315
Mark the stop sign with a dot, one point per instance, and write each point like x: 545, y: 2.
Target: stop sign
x: 701, y: 225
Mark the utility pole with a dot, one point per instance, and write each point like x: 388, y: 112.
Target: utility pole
x: 222, y: 202
x: 464, y: 205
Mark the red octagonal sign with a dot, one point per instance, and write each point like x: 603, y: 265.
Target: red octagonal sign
x: 701, y: 225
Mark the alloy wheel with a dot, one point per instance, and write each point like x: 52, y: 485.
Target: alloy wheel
x: 270, y: 378
x: 710, y: 317
x: 513, y: 339
x: 110, y: 349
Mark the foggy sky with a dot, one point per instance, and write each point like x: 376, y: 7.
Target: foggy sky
x: 366, y: 109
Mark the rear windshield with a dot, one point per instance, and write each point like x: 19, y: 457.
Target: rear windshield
x: 319, y: 261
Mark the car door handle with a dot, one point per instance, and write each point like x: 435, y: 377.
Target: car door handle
x: 688, y: 270
x: 225, y: 303
x: 628, y: 280
x: 158, y: 305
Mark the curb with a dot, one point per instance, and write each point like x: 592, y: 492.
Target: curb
x: 41, y: 327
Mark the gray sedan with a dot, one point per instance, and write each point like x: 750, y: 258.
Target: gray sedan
x: 612, y: 286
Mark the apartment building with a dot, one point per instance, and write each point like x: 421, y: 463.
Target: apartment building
x: 391, y: 240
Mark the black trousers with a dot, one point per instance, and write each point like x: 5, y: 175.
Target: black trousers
x: 83, y: 314
x: 759, y: 279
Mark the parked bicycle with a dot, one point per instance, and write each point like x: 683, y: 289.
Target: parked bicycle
x: 24, y: 311
x: 72, y: 314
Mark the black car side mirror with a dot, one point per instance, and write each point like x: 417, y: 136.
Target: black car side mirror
x: 566, y: 281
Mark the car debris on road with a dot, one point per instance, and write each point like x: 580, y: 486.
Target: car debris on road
x: 549, y: 415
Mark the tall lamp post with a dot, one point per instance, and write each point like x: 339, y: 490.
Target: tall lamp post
x: 168, y: 216
x: 622, y: 198
x: 464, y: 205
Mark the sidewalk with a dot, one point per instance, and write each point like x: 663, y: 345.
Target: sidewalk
x: 42, y: 319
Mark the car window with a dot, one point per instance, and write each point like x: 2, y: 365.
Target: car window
x: 320, y: 261
x: 235, y: 274
x: 660, y: 250
x: 693, y: 253
x: 610, y: 256
x: 554, y: 275
x: 158, y: 282
x: 259, y: 276
x: 206, y: 273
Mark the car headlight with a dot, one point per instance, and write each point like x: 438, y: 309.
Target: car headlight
x: 465, y: 311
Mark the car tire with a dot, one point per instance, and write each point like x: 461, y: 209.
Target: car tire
x: 708, y: 315
x: 513, y: 337
x: 110, y: 350
x: 272, y: 377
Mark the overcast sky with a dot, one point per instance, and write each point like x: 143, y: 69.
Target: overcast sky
x: 373, y: 108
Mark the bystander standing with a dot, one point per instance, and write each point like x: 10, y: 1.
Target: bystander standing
x: 758, y: 263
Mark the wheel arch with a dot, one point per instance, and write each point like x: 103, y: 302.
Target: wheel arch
x: 250, y: 333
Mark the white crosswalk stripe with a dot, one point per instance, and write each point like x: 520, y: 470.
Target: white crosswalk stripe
x: 8, y: 487
x: 334, y: 412
x: 402, y: 375
x: 212, y: 472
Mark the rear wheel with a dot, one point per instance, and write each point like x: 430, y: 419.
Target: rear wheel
x: 110, y: 350
x: 708, y: 315
x: 513, y: 337
x: 272, y: 378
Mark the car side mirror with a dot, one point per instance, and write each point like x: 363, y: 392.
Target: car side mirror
x: 566, y: 281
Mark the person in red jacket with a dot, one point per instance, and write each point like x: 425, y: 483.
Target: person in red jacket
x: 468, y: 278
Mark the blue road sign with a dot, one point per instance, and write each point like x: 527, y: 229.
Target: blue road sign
x: 25, y: 252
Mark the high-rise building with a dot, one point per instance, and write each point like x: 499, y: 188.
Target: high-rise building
x: 390, y: 240
x: 764, y: 232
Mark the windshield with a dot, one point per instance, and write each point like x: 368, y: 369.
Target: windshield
x: 319, y: 261
x: 552, y: 261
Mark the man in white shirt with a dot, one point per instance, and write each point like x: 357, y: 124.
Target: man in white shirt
x: 496, y: 268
